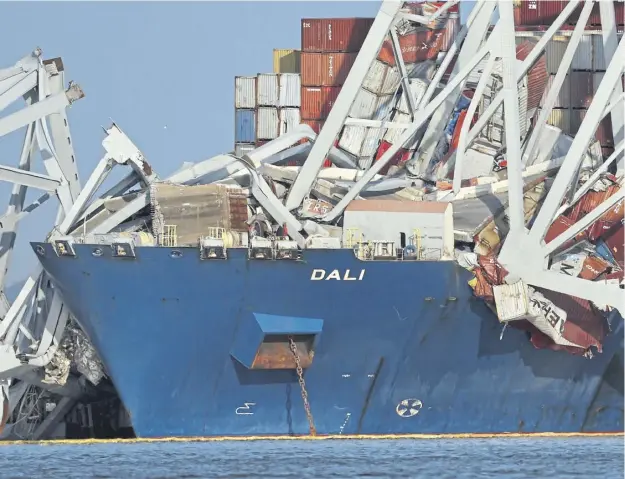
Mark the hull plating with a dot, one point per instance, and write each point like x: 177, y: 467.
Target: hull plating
x: 166, y: 328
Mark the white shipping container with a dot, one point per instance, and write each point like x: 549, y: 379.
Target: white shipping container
x: 365, y: 163
x: 383, y: 107
x: 290, y: 90
x: 512, y: 301
x: 364, y: 105
x: 392, y: 79
x: 371, y: 142
x: 352, y: 139
x: 392, y: 135
x: 267, y: 89
x: 267, y: 123
x: 554, y: 51
x: 418, y: 88
x: 241, y: 149
x: 289, y: 119
x: 245, y: 92
x: 374, y: 80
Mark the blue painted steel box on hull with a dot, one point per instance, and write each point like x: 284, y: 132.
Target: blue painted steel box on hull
x: 421, y: 356
x: 244, y: 126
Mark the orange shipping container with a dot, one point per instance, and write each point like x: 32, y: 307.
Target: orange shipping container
x: 417, y: 46
x: 334, y: 34
x: 317, y: 101
x: 326, y: 69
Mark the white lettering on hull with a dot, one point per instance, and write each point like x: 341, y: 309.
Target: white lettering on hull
x: 336, y: 274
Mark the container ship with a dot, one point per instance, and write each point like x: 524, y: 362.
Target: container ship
x: 419, y: 230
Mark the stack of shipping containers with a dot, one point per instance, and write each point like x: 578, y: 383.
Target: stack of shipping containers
x: 266, y: 105
x: 587, y: 68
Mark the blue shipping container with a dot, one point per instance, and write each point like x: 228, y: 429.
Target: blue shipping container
x: 244, y: 126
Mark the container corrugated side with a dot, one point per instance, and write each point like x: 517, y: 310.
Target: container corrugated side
x: 289, y: 118
x: 393, y: 135
x: 370, y: 144
x: 267, y: 123
x: 244, y: 126
x: 563, y: 100
x: 374, y: 80
x: 451, y: 29
x: 290, y: 90
x: 417, y: 46
x: 603, y: 134
x: 512, y: 301
x: 598, y: 56
x: 582, y: 59
x: 352, y: 138
x: 418, y: 88
x: 267, y: 93
x: 537, y: 77
x: 560, y: 118
x: 581, y: 89
x: 538, y: 12
x: 316, y: 125
x: 364, y: 105
x: 334, y: 34
x: 383, y: 108
x: 286, y: 60
x: 326, y: 69
x: 318, y: 101
x: 241, y: 149
x: 555, y: 51
x: 245, y: 92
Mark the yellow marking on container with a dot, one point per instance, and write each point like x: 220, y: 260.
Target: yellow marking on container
x: 286, y: 60
x: 330, y: 437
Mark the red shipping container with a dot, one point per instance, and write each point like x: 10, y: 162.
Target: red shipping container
x: 334, y: 34
x: 317, y: 101
x: 416, y: 46
x: 399, y: 159
x: 603, y: 134
x: 537, y: 77
x: 544, y: 12
x: 615, y: 241
x: 326, y: 69
x: 316, y: 125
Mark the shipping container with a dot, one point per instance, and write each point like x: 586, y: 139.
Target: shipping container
x: 267, y: 123
x: 244, y: 126
x: 583, y: 58
x: 286, y: 60
x: 318, y: 101
x: 370, y: 144
x: 369, y: 106
x: 563, y: 100
x: 418, y: 89
x: 245, y: 92
x: 417, y: 46
x: 598, y: 55
x: 290, y: 90
x: 374, y: 80
x: 326, y: 69
x: 352, y: 138
x: 544, y: 12
x: 555, y: 52
x: 581, y: 89
x: 289, y: 119
x: 450, y: 31
x: 267, y: 92
x: 364, y: 163
x: 537, y: 77
x: 334, y: 34
x: 399, y: 159
x: 241, y: 149
x: 393, y: 135
x: 316, y: 125
x: 603, y: 134
x: 560, y: 118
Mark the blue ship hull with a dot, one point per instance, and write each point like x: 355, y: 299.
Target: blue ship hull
x: 178, y: 337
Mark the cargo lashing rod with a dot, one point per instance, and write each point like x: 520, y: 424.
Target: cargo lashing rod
x: 302, y: 383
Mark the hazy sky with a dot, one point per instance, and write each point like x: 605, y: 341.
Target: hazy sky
x: 149, y: 65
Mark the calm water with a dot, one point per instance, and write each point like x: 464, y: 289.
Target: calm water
x: 513, y: 458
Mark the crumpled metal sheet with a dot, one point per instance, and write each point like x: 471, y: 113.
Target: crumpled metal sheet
x: 57, y: 370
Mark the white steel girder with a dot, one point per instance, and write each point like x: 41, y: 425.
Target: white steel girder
x: 33, y: 326
x: 474, y: 44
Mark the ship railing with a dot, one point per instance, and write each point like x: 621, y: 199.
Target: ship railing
x: 169, y: 236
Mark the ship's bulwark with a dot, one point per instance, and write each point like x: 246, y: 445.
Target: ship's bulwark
x: 167, y: 329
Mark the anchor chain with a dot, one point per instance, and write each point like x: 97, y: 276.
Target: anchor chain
x: 302, y: 383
